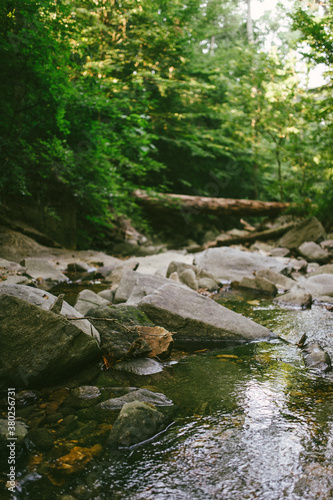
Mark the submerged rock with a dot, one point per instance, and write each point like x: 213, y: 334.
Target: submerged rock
x: 316, y: 357
x: 87, y: 392
x: 40, y: 347
x: 155, y: 398
x: 141, y: 366
x: 40, y: 439
x: 137, y: 422
x: 195, y: 318
x: 21, y: 430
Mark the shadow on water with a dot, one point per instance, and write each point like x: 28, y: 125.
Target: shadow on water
x: 250, y: 422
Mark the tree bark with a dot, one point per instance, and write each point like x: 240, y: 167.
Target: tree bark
x: 249, y: 24
x: 192, y: 205
x: 269, y: 234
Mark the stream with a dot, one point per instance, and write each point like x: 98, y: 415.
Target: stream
x: 250, y: 422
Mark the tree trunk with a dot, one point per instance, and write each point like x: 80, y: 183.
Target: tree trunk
x: 192, y: 205
x: 269, y: 234
x: 249, y: 24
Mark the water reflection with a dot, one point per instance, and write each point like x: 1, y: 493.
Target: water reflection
x: 250, y: 422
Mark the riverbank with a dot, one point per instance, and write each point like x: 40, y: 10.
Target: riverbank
x: 152, y: 313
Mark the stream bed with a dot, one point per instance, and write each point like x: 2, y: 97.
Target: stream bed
x: 250, y: 422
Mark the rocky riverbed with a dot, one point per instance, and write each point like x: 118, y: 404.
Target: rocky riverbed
x: 83, y: 332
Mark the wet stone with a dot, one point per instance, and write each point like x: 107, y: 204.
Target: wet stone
x: 142, y: 366
x: 87, y: 392
x: 136, y: 423
x: 144, y: 395
x: 40, y: 439
x: 316, y: 357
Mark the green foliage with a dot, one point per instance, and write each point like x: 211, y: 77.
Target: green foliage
x: 101, y: 97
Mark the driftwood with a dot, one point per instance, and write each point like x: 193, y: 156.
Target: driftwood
x: 269, y: 234
x: 201, y: 204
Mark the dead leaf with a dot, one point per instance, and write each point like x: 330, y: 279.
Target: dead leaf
x: 35, y: 460
x: 77, y: 458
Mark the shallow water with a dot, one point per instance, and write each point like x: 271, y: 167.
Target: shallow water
x: 250, y: 422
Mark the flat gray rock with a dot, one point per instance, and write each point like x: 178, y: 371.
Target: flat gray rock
x: 45, y: 300
x: 41, y: 268
x: 134, y: 286
x: 140, y: 366
x: 233, y: 264
x: 11, y: 266
x: 195, y: 318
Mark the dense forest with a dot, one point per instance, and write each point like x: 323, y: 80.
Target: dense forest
x: 100, y: 97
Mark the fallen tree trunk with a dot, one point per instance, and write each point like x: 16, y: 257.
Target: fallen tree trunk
x: 188, y: 205
x: 269, y: 234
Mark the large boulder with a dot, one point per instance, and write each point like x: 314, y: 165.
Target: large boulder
x: 195, y: 318
x: 38, y: 346
x: 307, y: 230
x: 233, y: 264
x: 313, y: 252
x: 137, y: 422
x: 46, y: 300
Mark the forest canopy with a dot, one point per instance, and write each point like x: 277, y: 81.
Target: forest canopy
x: 100, y: 97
